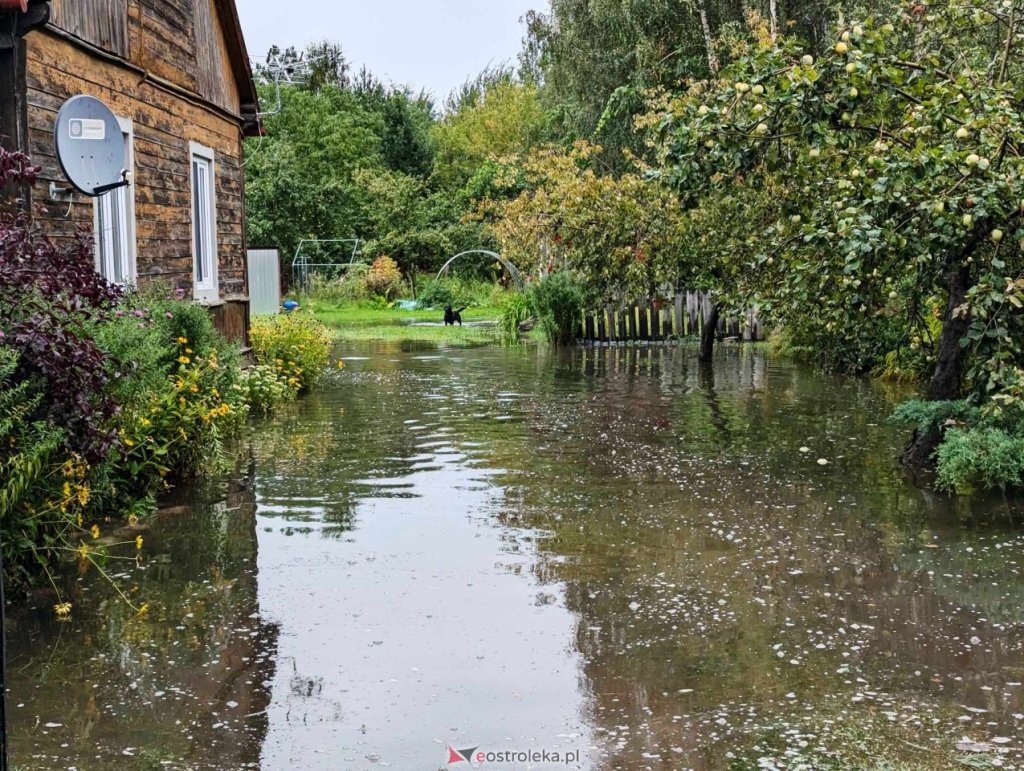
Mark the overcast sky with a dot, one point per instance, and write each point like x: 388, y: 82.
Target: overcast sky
x: 433, y: 44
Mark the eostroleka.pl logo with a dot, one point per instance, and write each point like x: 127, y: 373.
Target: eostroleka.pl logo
x: 461, y: 756
x: 477, y: 757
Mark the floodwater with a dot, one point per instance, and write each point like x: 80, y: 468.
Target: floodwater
x: 613, y: 555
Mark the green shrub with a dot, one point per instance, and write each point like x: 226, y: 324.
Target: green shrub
x: 348, y: 286
x: 264, y: 390
x: 459, y: 292
x: 383, y: 278
x: 28, y: 446
x: 515, y: 310
x: 925, y: 415
x: 438, y: 294
x: 979, y: 449
x: 557, y: 302
x: 296, y: 345
x: 980, y: 457
x: 178, y: 384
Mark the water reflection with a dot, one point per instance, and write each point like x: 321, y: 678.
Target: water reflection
x: 184, y: 686
x: 616, y: 552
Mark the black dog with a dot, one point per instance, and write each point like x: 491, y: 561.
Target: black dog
x: 452, y: 317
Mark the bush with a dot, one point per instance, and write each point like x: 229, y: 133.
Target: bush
x: 438, y: 294
x: 384, y: 278
x: 177, y: 382
x: 980, y: 448
x: 348, y: 286
x: 460, y: 292
x: 557, y: 302
x: 296, y: 345
x: 28, y: 446
x: 264, y: 389
x: 515, y: 310
x: 48, y: 298
x: 980, y: 457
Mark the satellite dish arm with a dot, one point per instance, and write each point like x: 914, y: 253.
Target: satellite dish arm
x: 125, y: 181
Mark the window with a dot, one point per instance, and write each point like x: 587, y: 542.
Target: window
x: 204, y: 224
x: 114, y: 225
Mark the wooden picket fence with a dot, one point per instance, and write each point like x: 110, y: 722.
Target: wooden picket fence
x: 659, y: 320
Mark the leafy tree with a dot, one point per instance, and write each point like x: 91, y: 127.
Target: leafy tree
x: 619, y: 235
x: 300, y: 177
x: 406, y: 143
x: 900, y: 153
x: 492, y: 117
x: 599, y: 59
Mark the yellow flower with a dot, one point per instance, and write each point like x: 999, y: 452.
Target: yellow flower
x: 82, y: 550
x: 341, y: 364
x: 188, y: 350
x: 183, y: 359
x: 63, y: 610
x: 182, y: 340
x: 94, y: 531
x: 144, y: 609
x: 133, y: 520
x: 67, y: 490
x: 145, y: 422
x: 138, y: 543
x: 194, y: 388
x: 82, y: 494
x: 129, y: 443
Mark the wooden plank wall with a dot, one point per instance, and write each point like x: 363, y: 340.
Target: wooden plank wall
x: 164, y: 124
x: 104, y: 23
x: 164, y: 40
x: 213, y: 66
x: 662, y: 320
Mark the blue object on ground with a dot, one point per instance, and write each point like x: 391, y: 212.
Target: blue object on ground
x: 290, y: 305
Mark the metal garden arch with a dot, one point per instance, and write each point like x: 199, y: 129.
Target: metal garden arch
x: 512, y: 269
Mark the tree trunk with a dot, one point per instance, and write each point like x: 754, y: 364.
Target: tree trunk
x: 949, y: 368
x: 773, y: 18
x: 709, y: 40
x: 707, y: 336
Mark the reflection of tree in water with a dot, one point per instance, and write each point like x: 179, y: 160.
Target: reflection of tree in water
x: 717, y: 600
x: 187, y: 683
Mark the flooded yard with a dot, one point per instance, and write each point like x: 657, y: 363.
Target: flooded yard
x: 610, y: 557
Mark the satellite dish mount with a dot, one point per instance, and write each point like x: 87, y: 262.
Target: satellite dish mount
x: 91, y: 147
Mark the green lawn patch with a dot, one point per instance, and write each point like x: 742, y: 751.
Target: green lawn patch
x: 364, y: 322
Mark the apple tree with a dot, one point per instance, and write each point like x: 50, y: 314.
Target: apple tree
x: 899, y: 151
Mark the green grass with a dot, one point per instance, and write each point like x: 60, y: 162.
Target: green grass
x: 363, y: 322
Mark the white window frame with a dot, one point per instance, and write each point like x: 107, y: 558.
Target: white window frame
x: 103, y: 203
x: 208, y: 289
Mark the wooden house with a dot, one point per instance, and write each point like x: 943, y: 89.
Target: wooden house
x: 177, y: 75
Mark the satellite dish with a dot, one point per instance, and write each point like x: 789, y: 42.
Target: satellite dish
x: 90, y: 146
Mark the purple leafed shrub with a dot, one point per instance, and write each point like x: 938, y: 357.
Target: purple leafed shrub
x: 49, y: 296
